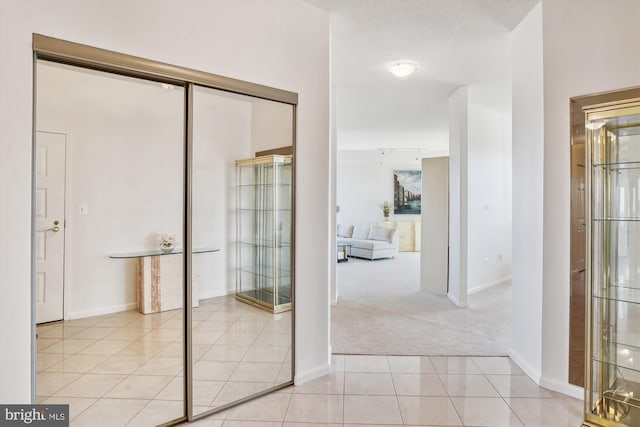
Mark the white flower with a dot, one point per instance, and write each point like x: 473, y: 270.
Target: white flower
x: 166, y: 240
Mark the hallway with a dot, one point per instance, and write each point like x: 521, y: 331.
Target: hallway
x: 381, y: 310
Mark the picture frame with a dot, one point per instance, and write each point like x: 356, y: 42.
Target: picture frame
x: 407, y: 192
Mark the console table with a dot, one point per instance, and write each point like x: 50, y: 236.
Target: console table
x: 160, y: 278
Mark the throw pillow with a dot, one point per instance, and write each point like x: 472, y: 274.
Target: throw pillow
x: 361, y: 233
x: 345, y: 230
x: 384, y: 234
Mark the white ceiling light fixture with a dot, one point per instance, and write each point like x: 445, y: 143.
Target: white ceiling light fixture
x: 403, y: 69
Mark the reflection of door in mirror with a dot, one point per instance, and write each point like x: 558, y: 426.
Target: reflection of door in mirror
x: 50, y: 225
x: 239, y: 350
x: 121, y: 186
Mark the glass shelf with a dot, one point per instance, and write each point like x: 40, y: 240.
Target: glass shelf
x: 620, y: 294
x: 621, y: 356
x: 265, y: 185
x: 265, y: 210
x: 267, y: 273
x: 266, y: 244
x: 176, y: 251
x: 618, y: 165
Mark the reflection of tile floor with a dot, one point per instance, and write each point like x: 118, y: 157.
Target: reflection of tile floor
x: 126, y: 368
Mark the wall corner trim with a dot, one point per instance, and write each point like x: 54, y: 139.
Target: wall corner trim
x: 528, y: 369
x: 564, y: 388
x: 488, y: 285
x: 311, y: 374
x: 455, y: 301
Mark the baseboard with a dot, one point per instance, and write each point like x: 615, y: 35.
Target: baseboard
x: 455, y: 301
x: 528, y: 369
x: 213, y: 294
x: 564, y: 388
x: 489, y: 285
x: 128, y: 306
x: 312, y: 374
x: 100, y: 311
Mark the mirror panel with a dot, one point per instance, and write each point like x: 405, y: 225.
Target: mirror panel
x: 110, y: 170
x: 240, y: 347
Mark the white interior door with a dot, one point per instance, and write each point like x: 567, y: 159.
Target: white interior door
x: 49, y: 245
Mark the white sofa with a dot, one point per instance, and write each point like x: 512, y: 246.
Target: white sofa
x: 370, y: 242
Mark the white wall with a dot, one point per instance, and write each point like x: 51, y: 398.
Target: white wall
x: 458, y: 193
x: 549, y: 57
x: 489, y: 192
x: 125, y: 163
x: 272, y: 125
x: 528, y: 139
x: 364, y: 179
x: 588, y: 48
x: 222, y: 133
x: 281, y: 43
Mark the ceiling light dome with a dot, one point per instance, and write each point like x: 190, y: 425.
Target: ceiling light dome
x: 403, y: 69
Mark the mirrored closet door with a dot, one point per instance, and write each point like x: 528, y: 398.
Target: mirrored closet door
x: 239, y: 347
x: 109, y: 172
x: 163, y: 282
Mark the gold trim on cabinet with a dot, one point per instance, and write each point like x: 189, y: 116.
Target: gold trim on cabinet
x: 273, y: 158
x: 607, y: 98
x: 626, y: 109
x: 92, y: 57
x: 282, y: 151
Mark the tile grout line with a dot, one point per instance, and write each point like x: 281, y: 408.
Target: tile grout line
x: 395, y: 391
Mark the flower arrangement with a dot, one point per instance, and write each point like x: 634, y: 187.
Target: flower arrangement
x: 386, y: 208
x: 166, y: 242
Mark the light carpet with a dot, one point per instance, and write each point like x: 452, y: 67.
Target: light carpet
x: 381, y: 310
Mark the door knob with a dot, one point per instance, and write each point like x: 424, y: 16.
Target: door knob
x: 55, y: 227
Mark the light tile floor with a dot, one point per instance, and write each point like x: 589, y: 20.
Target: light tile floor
x: 127, y: 368
x: 368, y: 391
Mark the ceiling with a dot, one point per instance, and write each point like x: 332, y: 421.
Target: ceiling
x: 456, y: 43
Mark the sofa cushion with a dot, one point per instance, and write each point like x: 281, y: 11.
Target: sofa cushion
x: 360, y: 232
x: 371, y: 245
x: 344, y: 240
x: 384, y: 234
x: 345, y: 230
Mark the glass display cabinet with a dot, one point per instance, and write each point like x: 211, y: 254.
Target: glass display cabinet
x: 264, y: 224
x: 612, y: 391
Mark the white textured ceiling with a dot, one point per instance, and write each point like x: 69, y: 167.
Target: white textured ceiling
x: 456, y: 43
